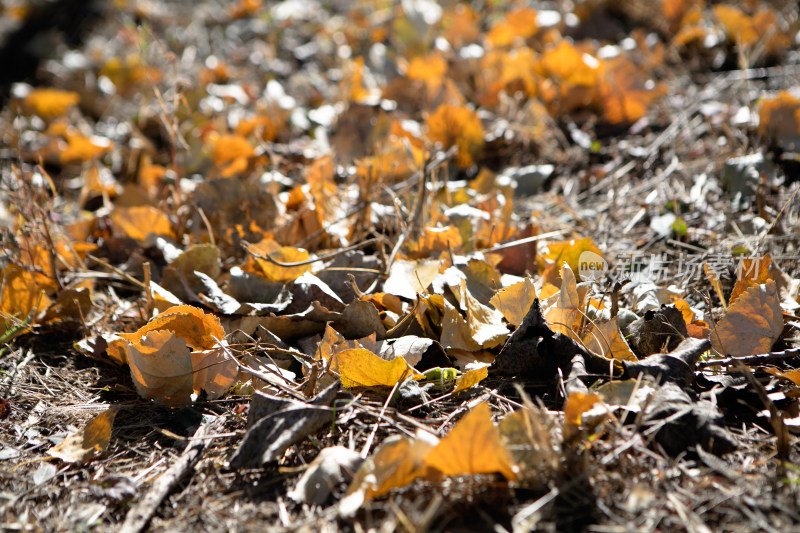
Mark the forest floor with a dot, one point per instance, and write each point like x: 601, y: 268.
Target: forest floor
x: 524, y: 206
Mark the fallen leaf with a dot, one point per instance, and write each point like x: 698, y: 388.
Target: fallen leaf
x: 397, y: 462
x: 281, y: 254
x: 142, y: 221
x: 752, y: 324
x: 331, y: 467
x: 21, y: 296
x: 519, y: 23
x: 750, y: 272
x: 605, y: 339
x: 457, y: 126
x: 471, y: 378
x: 50, y: 103
x: 472, y: 447
x: 515, y: 300
x: 361, y: 368
x: 576, y: 405
x: 88, y: 443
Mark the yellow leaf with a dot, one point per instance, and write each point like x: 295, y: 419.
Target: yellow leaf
x: 50, y: 103
x: 141, y: 221
x: 472, y: 447
x: 570, y: 251
x: 361, y: 368
x: 21, y: 296
x: 752, y: 324
x: 463, y: 25
x: 281, y: 254
x: 161, y: 367
x: 738, y: 25
x: 456, y: 333
x: 515, y: 300
x: 686, y: 311
x: 471, y: 378
x: 605, y: 339
x: 563, y: 315
x: 430, y: 68
x: 228, y: 148
x: 457, y: 126
x: 89, y: 442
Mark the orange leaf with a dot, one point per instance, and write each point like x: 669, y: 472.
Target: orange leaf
x: 80, y: 148
x: 457, y: 126
x: 779, y: 119
x: 50, y: 103
x: 750, y: 272
x: 752, y: 324
x: 199, y: 330
x: 430, y: 68
x: 472, y: 447
x: 518, y: 23
x: 21, y: 296
x: 576, y: 405
x: 605, y: 339
x: 141, y: 221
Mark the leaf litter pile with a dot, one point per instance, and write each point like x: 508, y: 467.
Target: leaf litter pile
x: 401, y: 266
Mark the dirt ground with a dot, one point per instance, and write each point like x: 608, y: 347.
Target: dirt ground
x: 668, y: 160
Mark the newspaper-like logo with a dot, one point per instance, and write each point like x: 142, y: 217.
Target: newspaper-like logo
x: 591, y: 266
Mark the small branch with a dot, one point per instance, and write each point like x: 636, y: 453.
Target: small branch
x: 267, y: 257
x: 141, y: 514
x: 751, y: 359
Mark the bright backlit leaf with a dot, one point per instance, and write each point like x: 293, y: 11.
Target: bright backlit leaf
x: 470, y: 378
x: 361, y: 368
x: 472, y: 447
x: 515, y: 300
x: 604, y: 338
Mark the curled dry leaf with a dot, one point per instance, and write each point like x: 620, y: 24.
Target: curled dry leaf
x: 333, y: 466
x: 176, y: 355
x: 397, y: 462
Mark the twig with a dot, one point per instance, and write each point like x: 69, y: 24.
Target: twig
x: 751, y: 359
x: 139, y: 516
x: 340, y: 251
x: 520, y: 242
